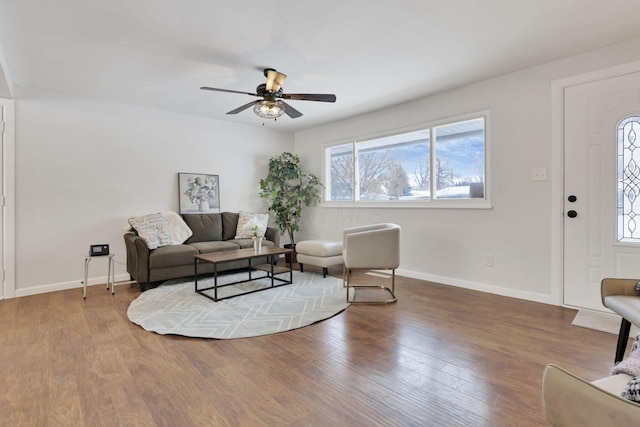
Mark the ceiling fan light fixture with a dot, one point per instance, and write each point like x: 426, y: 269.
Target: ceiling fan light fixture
x: 279, y: 81
x: 274, y: 80
x: 271, y: 79
x: 269, y: 109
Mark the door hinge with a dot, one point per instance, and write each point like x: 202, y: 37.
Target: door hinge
x: 1, y: 127
x: 4, y: 201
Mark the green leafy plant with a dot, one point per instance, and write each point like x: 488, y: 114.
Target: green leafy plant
x: 254, y: 232
x: 288, y: 189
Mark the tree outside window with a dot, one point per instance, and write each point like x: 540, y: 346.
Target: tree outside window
x: 409, y: 166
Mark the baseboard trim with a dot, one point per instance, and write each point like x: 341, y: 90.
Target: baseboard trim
x: 63, y: 286
x: 478, y: 286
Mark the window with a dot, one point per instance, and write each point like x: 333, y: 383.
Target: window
x: 436, y: 163
x: 628, y: 176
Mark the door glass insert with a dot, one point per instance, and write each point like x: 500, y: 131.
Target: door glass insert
x: 628, y: 177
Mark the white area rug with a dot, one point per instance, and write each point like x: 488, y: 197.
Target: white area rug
x: 601, y: 321
x: 175, y: 308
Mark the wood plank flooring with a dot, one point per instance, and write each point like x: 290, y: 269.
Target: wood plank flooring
x: 440, y: 356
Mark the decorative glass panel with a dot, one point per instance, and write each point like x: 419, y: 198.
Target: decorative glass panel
x: 628, y: 180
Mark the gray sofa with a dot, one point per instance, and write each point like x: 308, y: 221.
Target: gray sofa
x: 211, y: 233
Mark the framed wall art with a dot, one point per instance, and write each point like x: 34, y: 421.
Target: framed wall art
x: 199, y: 193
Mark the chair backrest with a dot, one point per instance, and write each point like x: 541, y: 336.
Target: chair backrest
x: 372, y: 246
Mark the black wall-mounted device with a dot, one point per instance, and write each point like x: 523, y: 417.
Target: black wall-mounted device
x: 97, y: 250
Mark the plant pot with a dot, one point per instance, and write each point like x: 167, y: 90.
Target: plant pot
x: 257, y: 244
x: 290, y: 257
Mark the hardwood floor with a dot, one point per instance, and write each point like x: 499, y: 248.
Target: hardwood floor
x: 440, y: 356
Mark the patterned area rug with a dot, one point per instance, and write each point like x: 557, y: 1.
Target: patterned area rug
x: 601, y: 321
x: 174, y: 307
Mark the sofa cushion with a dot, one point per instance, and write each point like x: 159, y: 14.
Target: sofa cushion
x: 248, y: 243
x: 153, y: 228
x: 205, y: 227
x: 213, y: 246
x: 229, y: 225
x: 171, y: 256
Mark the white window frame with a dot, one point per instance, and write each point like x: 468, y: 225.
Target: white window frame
x: 469, y: 203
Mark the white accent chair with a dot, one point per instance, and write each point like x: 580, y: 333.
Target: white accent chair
x: 621, y: 296
x: 371, y: 247
x: 570, y: 401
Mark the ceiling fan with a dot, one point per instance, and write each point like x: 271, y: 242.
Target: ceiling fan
x: 272, y: 106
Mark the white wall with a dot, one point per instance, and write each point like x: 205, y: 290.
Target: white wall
x: 82, y: 169
x: 449, y: 245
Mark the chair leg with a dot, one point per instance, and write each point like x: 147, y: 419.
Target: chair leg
x: 324, y: 272
x: 344, y: 279
x: 391, y: 290
x: 301, y: 267
x: 623, y: 339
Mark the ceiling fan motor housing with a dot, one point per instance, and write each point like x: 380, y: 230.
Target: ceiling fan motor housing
x: 262, y: 91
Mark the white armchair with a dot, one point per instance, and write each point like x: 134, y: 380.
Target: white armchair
x: 621, y: 296
x: 371, y: 247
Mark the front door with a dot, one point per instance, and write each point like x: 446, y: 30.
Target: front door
x: 593, y: 250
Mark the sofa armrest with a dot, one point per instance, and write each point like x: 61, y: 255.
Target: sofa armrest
x: 137, y: 257
x: 273, y: 234
x: 568, y: 400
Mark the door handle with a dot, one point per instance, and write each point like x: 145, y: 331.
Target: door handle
x: 572, y: 198
x: 572, y: 214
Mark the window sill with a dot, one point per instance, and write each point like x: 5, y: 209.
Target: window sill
x: 426, y: 204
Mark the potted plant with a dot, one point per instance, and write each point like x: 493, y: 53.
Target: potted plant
x: 288, y: 189
x: 257, y: 239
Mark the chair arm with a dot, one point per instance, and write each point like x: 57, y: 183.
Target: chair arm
x: 568, y: 400
x: 361, y: 229
x: 624, y: 287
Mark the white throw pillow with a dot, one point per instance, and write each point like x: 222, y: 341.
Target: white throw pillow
x: 246, y: 220
x: 179, y: 231
x: 153, y: 228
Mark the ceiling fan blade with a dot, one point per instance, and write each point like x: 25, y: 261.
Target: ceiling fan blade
x: 244, y: 107
x: 228, y: 91
x: 290, y: 111
x: 323, y: 97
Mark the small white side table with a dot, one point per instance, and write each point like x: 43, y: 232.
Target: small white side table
x: 110, y: 273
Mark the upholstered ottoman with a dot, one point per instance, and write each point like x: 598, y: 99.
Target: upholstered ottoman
x: 321, y: 253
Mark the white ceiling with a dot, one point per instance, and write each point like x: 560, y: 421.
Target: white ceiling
x: 158, y: 53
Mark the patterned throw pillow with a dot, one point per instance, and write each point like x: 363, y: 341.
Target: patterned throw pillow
x: 246, y: 220
x: 632, y: 392
x: 153, y: 228
x: 179, y: 231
